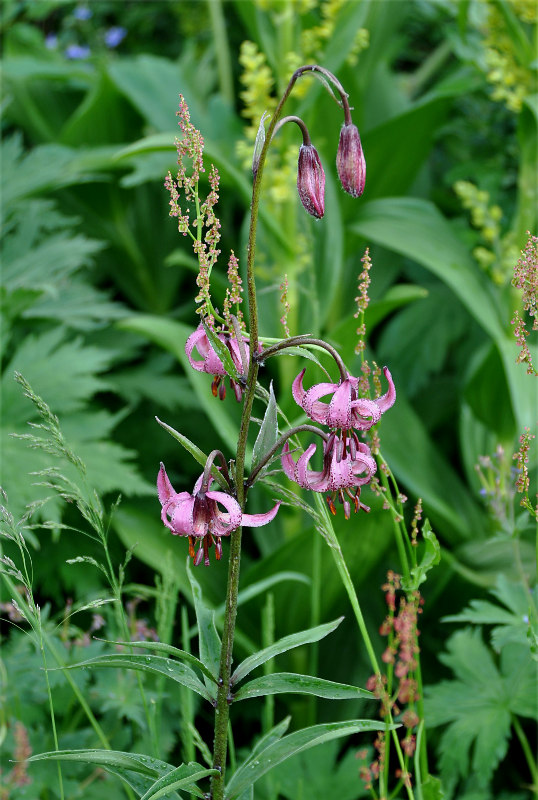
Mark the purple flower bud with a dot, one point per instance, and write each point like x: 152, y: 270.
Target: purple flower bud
x: 350, y: 161
x: 311, y: 181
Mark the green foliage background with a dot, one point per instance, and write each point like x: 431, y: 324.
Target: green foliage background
x: 97, y: 302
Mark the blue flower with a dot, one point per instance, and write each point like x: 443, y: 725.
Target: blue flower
x: 77, y: 51
x: 83, y: 12
x: 51, y: 41
x: 114, y: 36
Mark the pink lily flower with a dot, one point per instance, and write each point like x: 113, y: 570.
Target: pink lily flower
x: 346, y: 410
x: 199, y: 517
x: 347, y: 466
x: 212, y: 364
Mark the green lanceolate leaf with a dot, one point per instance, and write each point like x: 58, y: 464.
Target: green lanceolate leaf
x: 195, y: 452
x: 210, y: 644
x: 283, y: 682
x: 157, y: 665
x: 162, y: 647
x: 184, y: 777
x: 260, y: 763
x: 268, y: 434
x: 287, y: 643
x: 260, y: 587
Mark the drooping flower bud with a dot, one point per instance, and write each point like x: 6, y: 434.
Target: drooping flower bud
x: 311, y: 181
x: 350, y: 161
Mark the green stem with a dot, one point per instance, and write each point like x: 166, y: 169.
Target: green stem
x: 222, y: 51
x: 527, y: 752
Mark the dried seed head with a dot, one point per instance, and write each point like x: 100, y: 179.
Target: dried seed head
x: 350, y: 161
x: 311, y: 181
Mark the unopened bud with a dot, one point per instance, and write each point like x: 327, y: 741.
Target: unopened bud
x: 311, y: 181
x: 350, y: 161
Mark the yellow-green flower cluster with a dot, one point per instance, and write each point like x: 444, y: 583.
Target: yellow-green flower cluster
x: 512, y: 81
x: 314, y: 39
x: 496, y: 256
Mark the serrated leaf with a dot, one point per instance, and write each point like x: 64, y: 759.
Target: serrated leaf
x: 282, y: 682
x: 209, y: 640
x: 268, y: 433
x: 252, y: 769
x: 156, y: 665
x: 287, y: 643
x: 477, y: 705
x: 183, y: 777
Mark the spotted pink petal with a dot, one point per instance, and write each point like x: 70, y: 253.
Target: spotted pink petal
x: 339, y: 411
x: 288, y: 464
x: 316, y: 410
x: 210, y: 363
x: 387, y: 400
x: 225, y: 522
x: 165, y: 490
x: 256, y: 520
x: 180, y: 510
x: 364, y: 414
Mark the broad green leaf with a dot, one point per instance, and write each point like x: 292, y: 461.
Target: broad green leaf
x: 183, y: 777
x: 172, y: 336
x: 287, y: 643
x: 282, y: 682
x: 209, y: 640
x: 156, y: 665
x: 288, y: 746
x: 274, y: 735
x: 162, y: 647
x: 419, y: 231
x: 268, y: 433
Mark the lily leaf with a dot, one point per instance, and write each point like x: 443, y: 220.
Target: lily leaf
x: 257, y: 765
x: 195, y: 452
x: 222, y: 351
x: 157, y: 665
x: 184, y: 777
x: 162, y: 647
x: 268, y: 434
x: 282, y: 682
x: 287, y: 643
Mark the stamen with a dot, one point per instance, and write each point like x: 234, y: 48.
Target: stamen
x: 191, y: 547
x: 331, y: 506
x: 215, y: 385
x: 222, y: 391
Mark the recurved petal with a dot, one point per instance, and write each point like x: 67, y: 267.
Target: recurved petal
x: 256, y: 520
x: 387, y: 400
x: 288, y: 464
x: 304, y: 476
x: 364, y: 414
x: 297, y: 388
x: 165, y: 489
x: 230, y: 520
x: 177, y: 514
x: 210, y: 363
x: 316, y: 410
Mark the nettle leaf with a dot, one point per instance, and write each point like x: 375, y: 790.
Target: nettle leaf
x: 156, y: 665
x: 287, y: 643
x: 290, y: 682
x: 511, y: 620
x: 261, y: 762
x: 477, y: 705
x: 268, y: 434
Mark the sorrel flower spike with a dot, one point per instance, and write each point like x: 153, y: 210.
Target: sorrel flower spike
x: 212, y: 364
x: 346, y: 410
x: 199, y: 517
x: 347, y: 466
